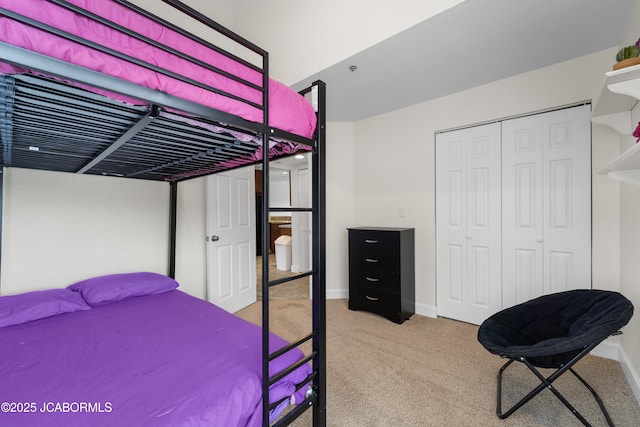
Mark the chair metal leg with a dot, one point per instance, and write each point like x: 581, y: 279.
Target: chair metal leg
x: 521, y: 402
x: 595, y: 396
x: 546, y: 383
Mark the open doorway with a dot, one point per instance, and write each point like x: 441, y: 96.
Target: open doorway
x: 289, y: 187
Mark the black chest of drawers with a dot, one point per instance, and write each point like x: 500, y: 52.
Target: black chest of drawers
x: 382, y: 271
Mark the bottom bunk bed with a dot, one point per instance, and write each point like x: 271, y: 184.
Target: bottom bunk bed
x: 132, y: 350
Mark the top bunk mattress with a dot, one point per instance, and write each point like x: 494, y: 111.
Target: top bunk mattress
x: 240, y: 96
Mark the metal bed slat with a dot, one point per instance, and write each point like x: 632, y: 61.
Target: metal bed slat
x: 67, y: 113
x: 65, y: 117
x: 34, y: 124
x: 43, y: 85
x: 192, y: 141
x: 55, y: 99
x: 170, y: 129
x: 177, y: 147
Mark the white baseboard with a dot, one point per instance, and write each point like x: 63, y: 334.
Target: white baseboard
x: 607, y: 350
x: 632, y: 375
x: 614, y: 351
x: 426, y: 310
x: 337, y: 293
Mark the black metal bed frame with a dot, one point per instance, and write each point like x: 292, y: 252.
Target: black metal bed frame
x: 158, y: 100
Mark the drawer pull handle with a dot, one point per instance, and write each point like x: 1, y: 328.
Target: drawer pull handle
x: 372, y: 279
x: 370, y: 241
x: 371, y: 298
x: 371, y: 260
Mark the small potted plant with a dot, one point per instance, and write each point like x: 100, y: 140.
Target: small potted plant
x: 628, y: 56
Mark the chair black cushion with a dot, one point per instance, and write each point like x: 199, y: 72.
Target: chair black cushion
x: 550, y: 330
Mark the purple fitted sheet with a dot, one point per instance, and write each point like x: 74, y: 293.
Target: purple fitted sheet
x: 158, y: 360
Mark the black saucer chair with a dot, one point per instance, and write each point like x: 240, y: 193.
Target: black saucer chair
x: 554, y: 331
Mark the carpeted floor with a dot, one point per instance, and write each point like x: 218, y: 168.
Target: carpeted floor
x: 433, y: 372
x: 296, y: 289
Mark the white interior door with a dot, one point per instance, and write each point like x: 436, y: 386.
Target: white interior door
x: 231, y: 238
x: 547, y: 204
x: 468, y: 212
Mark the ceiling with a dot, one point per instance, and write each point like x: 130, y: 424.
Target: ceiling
x: 473, y: 43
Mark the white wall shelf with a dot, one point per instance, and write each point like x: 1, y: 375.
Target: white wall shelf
x: 628, y: 160
x: 620, y: 94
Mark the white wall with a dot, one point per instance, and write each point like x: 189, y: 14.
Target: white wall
x: 340, y: 184
x: 314, y: 35
x: 222, y: 11
x: 279, y: 190
x: 59, y: 228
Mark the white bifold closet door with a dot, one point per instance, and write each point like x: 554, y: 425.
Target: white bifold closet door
x: 468, y: 211
x: 513, y: 212
x: 546, y: 199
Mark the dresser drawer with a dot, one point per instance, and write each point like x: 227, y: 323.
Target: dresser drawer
x: 374, y: 249
x: 366, y: 298
x: 377, y: 279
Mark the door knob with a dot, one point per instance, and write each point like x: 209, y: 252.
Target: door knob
x: 213, y: 238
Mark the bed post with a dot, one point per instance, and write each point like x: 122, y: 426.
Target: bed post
x: 266, y: 236
x: 173, y: 207
x: 319, y: 266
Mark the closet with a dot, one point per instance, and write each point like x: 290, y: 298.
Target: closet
x: 513, y: 212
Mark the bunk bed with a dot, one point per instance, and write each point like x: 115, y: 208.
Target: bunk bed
x: 107, y: 88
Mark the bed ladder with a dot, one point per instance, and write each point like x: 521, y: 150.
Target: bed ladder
x: 316, y: 398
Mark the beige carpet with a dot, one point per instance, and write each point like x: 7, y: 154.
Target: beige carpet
x: 433, y: 372
x: 296, y: 289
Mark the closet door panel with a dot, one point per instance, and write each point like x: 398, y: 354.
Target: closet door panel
x: 560, y: 195
x: 480, y: 277
x: 527, y: 268
x: 522, y: 225
x: 455, y: 200
x: 546, y: 204
x: 451, y: 206
x: 455, y: 273
x: 560, y: 268
x: 468, y: 252
x: 567, y: 190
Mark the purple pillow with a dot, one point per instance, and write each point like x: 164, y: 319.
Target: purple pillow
x: 115, y: 287
x: 16, y: 309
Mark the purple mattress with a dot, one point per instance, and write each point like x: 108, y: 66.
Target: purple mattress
x: 157, y: 360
